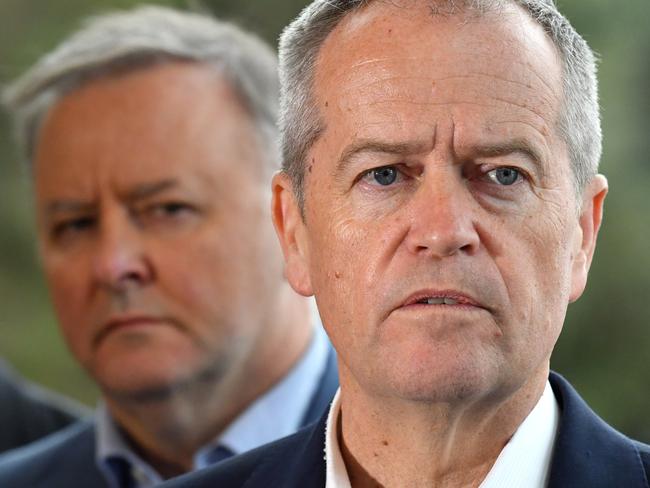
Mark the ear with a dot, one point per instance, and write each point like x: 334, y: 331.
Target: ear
x: 591, y: 216
x: 291, y: 231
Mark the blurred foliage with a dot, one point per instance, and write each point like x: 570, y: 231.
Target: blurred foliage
x: 605, y: 344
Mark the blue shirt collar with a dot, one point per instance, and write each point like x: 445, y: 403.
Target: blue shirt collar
x: 277, y: 413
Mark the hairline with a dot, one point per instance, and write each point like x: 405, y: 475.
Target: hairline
x: 57, y: 89
x: 240, y: 58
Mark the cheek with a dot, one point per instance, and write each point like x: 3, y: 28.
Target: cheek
x: 344, y: 276
x: 69, y: 293
x: 195, y: 275
x: 536, y: 269
x: 68, y: 286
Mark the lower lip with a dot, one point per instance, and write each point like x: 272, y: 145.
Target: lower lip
x: 131, y: 325
x: 441, y: 307
x: 135, y: 323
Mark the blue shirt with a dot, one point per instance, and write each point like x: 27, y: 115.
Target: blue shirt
x: 275, y: 414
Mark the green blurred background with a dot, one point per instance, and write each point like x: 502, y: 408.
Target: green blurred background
x: 604, y: 349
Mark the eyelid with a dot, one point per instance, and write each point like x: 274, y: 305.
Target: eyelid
x: 152, y: 206
x: 403, y: 169
x: 60, y: 226
x: 486, y: 168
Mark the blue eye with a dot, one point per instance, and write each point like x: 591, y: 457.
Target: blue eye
x: 385, y: 176
x: 504, y: 176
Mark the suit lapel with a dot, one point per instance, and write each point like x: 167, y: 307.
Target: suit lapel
x: 588, y: 452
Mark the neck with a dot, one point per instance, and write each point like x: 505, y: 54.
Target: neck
x: 167, y: 431
x: 393, y: 442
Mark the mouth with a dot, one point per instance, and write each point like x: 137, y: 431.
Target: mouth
x: 126, y: 322
x: 450, y: 298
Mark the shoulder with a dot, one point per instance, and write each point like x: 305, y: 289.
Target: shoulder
x: 644, y: 453
x: 589, y: 452
x: 54, y: 461
x: 29, y: 412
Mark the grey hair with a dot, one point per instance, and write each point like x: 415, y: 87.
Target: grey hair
x: 301, y: 125
x: 123, y: 41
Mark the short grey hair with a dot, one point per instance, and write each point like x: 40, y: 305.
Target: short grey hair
x: 301, y: 125
x: 124, y: 41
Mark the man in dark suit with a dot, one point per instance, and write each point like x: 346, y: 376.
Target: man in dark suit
x: 152, y: 139
x: 29, y: 412
x: 440, y: 198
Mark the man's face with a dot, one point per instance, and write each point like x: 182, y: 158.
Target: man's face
x: 151, y: 194
x: 441, y: 235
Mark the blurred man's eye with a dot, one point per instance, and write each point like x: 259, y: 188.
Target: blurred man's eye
x: 166, y: 212
x: 170, y: 209
x: 70, y: 227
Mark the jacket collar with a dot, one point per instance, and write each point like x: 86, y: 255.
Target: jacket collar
x: 588, y: 452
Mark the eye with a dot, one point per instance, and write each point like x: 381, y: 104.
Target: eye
x: 168, y: 209
x: 382, y: 176
x: 171, y: 208
x: 504, y: 176
x: 72, y: 226
x: 165, y: 214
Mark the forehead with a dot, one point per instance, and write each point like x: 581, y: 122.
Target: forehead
x: 167, y: 119
x: 406, y: 68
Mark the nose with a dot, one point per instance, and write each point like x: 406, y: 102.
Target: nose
x: 442, y: 217
x: 120, y: 260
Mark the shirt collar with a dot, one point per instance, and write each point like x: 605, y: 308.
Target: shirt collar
x: 524, y: 461
x: 277, y: 413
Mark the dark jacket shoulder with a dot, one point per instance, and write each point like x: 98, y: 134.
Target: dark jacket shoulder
x: 29, y: 412
x: 588, y: 452
x: 61, y: 460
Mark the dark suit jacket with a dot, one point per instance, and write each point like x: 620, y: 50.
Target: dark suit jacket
x: 67, y: 458
x: 588, y: 454
x: 28, y: 412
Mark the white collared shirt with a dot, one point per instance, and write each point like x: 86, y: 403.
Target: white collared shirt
x: 524, y: 461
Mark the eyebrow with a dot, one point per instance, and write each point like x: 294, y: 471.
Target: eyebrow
x: 365, y: 146
x: 68, y: 206
x: 515, y: 146
x: 140, y: 192
x: 146, y: 190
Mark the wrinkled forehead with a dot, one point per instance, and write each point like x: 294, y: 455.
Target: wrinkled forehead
x: 396, y: 72
x: 423, y: 39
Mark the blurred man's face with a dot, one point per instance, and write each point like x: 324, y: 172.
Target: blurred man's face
x: 441, y: 237
x: 152, y: 200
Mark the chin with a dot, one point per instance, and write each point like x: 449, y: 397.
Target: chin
x: 134, y: 380
x: 443, y: 378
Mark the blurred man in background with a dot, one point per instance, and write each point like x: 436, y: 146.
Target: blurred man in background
x: 441, y: 200
x: 151, y: 136
x: 29, y: 412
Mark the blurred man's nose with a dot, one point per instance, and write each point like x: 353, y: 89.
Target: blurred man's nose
x: 120, y: 257
x: 442, y: 216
